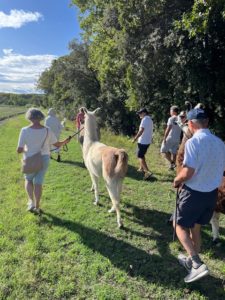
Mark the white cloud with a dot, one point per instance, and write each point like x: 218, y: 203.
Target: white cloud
x: 17, y: 18
x: 7, y: 51
x: 19, y: 73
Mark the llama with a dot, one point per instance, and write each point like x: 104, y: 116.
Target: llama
x: 220, y: 203
x: 101, y: 160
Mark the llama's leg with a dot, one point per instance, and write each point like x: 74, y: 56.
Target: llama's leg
x: 94, y: 180
x: 113, y: 193
x: 215, y: 225
x: 92, y: 188
x: 119, y: 187
x: 119, y: 190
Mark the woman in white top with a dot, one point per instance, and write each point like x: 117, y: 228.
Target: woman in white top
x: 32, y: 139
x: 55, y: 125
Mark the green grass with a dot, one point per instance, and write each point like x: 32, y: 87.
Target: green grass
x: 7, y: 111
x: 75, y: 251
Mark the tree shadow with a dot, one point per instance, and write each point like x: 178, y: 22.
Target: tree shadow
x: 156, y: 268
x: 216, y: 251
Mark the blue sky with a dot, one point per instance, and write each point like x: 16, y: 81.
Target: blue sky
x: 32, y: 34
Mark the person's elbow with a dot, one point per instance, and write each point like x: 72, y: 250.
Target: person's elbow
x: 141, y: 130
x: 19, y: 150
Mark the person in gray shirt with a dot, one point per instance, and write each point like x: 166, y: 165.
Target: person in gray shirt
x: 171, y: 138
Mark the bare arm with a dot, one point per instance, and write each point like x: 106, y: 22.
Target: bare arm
x: 167, y: 131
x: 185, y: 174
x: 60, y: 144
x: 141, y: 130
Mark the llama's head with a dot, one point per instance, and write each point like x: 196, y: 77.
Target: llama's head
x: 90, y: 123
x: 88, y: 112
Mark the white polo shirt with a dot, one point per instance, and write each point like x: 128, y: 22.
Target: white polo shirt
x: 205, y: 153
x: 146, y: 137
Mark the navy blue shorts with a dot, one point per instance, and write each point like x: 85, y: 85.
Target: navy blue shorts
x: 195, y: 207
x: 141, y: 150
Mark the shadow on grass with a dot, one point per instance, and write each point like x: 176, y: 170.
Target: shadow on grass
x: 132, y: 173
x: 159, y: 268
x: 163, y: 177
x: 74, y: 163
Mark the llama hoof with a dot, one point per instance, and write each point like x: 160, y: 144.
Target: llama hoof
x: 111, y: 210
x: 92, y: 189
x: 95, y: 202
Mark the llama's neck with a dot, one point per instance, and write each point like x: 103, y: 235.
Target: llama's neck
x: 90, y: 134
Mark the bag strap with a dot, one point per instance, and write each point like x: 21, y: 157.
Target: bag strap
x: 44, y: 139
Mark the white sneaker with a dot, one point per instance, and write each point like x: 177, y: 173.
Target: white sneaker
x: 30, y: 205
x: 30, y: 208
x: 185, y: 262
x: 196, y: 274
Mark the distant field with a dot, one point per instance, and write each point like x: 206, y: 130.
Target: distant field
x: 8, y: 111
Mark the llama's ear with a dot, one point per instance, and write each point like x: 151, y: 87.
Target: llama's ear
x: 96, y: 110
x: 85, y: 110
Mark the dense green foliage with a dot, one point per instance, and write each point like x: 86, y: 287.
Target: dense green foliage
x: 74, y: 250
x: 143, y: 53
x: 21, y: 99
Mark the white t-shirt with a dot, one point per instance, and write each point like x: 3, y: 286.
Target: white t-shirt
x: 146, y: 137
x: 205, y: 153
x: 175, y: 131
x: 55, y: 125
x: 32, y: 139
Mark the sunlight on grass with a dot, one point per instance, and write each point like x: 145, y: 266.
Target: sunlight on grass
x: 75, y: 251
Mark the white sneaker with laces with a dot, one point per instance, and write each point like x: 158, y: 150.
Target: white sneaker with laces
x: 196, y: 273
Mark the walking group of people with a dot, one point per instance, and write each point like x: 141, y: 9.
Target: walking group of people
x: 171, y: 139
x: 197, y: 182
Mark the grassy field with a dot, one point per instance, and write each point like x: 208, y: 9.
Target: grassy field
x: 75, y: 251
x: 7, y: 111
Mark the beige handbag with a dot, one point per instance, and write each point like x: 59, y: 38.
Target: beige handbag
x: 34, y: 163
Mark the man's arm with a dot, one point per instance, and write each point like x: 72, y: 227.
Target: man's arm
x: 167, y: 131
x: 141, y: 130
x: 185, y: 174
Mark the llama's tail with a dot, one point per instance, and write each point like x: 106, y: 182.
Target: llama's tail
x: 121, y: 163
x: 115, y: 163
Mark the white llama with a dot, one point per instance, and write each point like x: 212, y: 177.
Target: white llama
x: 106, y: 161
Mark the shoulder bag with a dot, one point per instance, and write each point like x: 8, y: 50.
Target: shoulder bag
x: 34, y: 163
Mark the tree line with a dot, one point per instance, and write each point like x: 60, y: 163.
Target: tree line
x: 21, y: 99
x: 151, y: 53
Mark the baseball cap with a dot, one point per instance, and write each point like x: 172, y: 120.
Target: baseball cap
x: 142, y: 110
x: 196, y: 114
